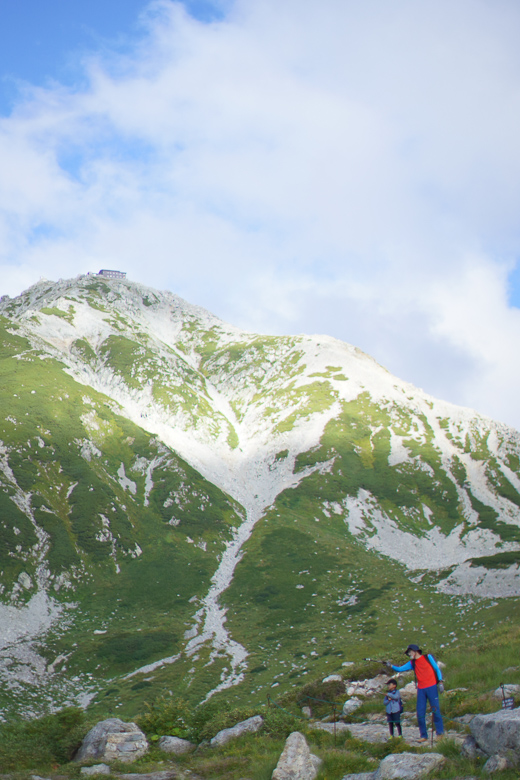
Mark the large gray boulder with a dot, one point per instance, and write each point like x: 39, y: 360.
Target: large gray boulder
x: 249, y: 726
x: 498, y: 733
x: 470, y: 749
x: 296, y: 761
x: 113, y: 740
x: 351, y: 705
x: 97, y: 769
x: 176, y: 745
x: 407, y: 766
x: 497, y: 764
x: 510, y: 689
x: 359, y: 776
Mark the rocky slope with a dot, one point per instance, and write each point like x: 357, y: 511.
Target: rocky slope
x: 185, y: 504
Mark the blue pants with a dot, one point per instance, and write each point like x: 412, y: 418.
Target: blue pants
x: 430, y: 694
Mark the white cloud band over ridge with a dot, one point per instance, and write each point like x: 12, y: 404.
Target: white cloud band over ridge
x: 334, y: 167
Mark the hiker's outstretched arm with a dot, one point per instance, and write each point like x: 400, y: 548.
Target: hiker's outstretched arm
x: 406, y: 668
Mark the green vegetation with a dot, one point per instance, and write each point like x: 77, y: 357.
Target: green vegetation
x: 473, y: 670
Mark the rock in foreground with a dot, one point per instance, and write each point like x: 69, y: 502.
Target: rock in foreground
x: 113, y: 740
x: 176, y: 745
x: 249, y: 726
x: 296, y: 761
x: 407, y: 766
x: 498, y: 733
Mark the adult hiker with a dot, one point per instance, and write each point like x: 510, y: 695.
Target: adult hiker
x: 428, y: 678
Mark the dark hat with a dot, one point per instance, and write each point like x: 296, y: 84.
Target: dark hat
x: 415, y: 648
x: 392, y: 680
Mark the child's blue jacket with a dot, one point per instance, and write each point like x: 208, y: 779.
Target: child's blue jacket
x: 392, y: 701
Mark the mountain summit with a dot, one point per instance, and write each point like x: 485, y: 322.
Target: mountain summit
x: 186, y: 504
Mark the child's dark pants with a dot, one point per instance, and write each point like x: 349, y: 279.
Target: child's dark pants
x: 394, y: 719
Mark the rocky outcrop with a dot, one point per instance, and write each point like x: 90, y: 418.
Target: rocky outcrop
x: 97, y: 769
x: 367, y: 687
x: 408, y: 766
x: 402, y: 766
x: 470, y: 749
x: 296, y: 761
x: 498, y: 764
x: 249, y: 726
x: 176, y: 745
x: 407, y: 691
x: 113, y: 740
x: 510, y: 689
x: 351, y: 705
x: 498, y: 733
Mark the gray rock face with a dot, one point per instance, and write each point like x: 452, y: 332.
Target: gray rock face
x: 97, y: 769
x: 249, y: 726
x: 296, y: 761
x: 351, y: 705
x: 112, y: 740
x: 367, y: 687
x: 497, y: 764
x: 509, y: 690
x: 408, y: 766
x: 498, y: 733
x: 166, y: 774
x: 176, y: 745
x: 359, y: 776
x: 470, y: 749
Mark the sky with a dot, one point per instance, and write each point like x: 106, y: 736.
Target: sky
x: 310, y: 166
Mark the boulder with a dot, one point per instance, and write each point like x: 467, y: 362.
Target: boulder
x: 296, y: 761
x: 359, y: 776
x: 470, y: 749
x: 464, y: 719
x: 97, y: 769
x: 249, y: 726
x: 112, y: 740
x: 498, y: 733
x: 509, y: 690
x: 407, y: 766
x: 351, y: 705
x: 306, y: 712
x: 497, y: 764
x: 165, y: 774
x: 367, y: 687
x: 333, y: 678
x: 407, y: 691
x: 176, y: 745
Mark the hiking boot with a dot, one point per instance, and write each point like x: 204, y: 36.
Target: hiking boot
x: 422, y: 739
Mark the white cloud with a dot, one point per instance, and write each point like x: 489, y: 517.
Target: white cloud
x: 296, y: 167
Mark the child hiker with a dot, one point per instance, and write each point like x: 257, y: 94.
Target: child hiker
x: 393, y: 707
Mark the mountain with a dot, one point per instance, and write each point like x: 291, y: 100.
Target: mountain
x: 189, y: 507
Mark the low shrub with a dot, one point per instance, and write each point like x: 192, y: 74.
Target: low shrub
x: 166, y: 717
x: 211, y: 718
x: 280, y: 723
x: 47, y: 741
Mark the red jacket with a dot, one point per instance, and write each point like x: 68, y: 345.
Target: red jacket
x: 424, y: 673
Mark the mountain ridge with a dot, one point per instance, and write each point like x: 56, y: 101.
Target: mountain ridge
x: 297, y: 438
